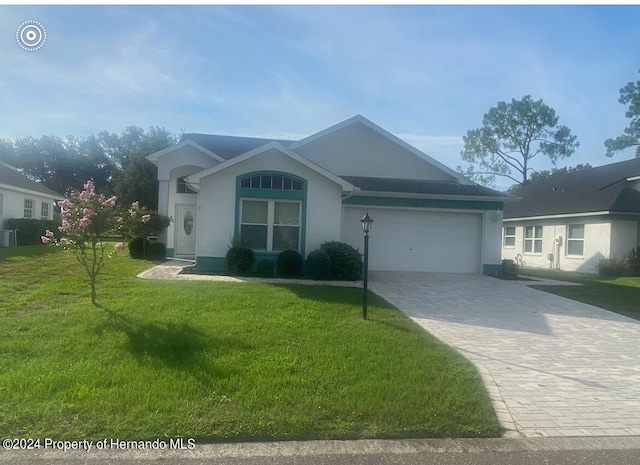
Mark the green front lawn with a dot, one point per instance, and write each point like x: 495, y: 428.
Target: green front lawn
x: 620, y: 295
x: 218, y: 361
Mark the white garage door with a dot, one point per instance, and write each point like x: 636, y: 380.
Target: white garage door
x: 417, y: 240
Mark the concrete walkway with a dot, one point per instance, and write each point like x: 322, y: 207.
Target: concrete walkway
x: 552, y: 366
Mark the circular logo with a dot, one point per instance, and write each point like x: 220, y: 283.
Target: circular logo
x: 31, y: 35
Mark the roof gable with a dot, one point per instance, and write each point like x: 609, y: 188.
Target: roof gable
x: 155, y: 157
x: 228, y: 147
x: 606, y: 188
x: 10, y: 177
x: 358, y: 147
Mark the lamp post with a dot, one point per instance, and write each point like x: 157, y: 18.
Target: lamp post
x: 366, y: 223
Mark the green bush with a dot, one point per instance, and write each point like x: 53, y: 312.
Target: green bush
x: 139, y: 247
x: 31, y: 230
x: 614, y: 267
x: 634, y: 261
x: 346, y: 262
x: 509, y: 267
x: 239, y: 260
x: 319, y: 265
x: 289, y: 263
x: 157, y: 251
x: 265, y: 268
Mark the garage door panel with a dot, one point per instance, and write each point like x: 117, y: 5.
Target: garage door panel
x: 418, y: 240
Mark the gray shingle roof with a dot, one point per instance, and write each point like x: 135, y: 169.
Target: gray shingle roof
x: 421, y: 186
x: 230, y: 146
x: 12, y: 177
x: 603, y: 188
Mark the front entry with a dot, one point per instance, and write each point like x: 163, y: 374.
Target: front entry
x: 185, y: 230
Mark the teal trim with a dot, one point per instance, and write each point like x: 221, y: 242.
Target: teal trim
x: 170, y: 253
x: 376, y: 201
x: 248, y: 192
x: 211, y: 264
x: 492, y: 270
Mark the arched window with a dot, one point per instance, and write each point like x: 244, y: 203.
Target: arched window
x: 271, y: 181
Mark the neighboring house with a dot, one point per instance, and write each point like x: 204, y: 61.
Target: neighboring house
x: 571, y: 221
x: 20, y: 197
x: 272, y: 195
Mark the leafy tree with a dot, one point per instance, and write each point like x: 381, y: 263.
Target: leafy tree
x: 629, y: 95
x: 8, y: 152
x: 538, y: 175
x: 511, y: 136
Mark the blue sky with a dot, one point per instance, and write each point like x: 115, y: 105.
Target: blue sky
x: 426, y: 73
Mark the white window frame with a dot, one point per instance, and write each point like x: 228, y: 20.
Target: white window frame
x: 534, y: 240
x: 506, y: 236
x: 45, y: 209
x: 271, y: 206
x: 28, y: 210
x: 570, y: 239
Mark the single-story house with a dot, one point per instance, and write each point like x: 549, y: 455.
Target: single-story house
x: 272, y: 195
x: 571, y: 221
x: 20, y: 197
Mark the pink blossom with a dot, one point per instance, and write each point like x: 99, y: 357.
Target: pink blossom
x: 85, y: 222
x: 111, y: 201
x: 87, y: 212
x: 48, y: 233
x: 65, y: 225
x: 64, y: 204
x: 146, y: 218
x: 135, y: 205
x: 119, y: 246
x: 117, y: 219
x: 134, y: 213
x: 89, y: 186
x: 84, y: 195
x: 45, y: 240
x: 64, y: 240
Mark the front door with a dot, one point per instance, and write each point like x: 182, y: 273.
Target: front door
x: 185, y: 230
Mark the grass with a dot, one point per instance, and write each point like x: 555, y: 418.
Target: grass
x: 619, y: 295
x: 218, y: 361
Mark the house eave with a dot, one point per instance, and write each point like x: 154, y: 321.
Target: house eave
x: 156, y: 156
x: 562, y: 215
x: 406, y: 195
x: 31, y: 192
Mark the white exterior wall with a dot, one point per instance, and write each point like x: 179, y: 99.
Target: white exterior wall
x: 175, y: 199
x: 13, y: 204
x: 491, y: 237
x: 597, y: 240
x: 357, y: 150
x: 217, y: 204
x: 624, y: 237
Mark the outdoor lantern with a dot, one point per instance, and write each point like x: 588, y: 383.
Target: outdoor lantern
x: 366, y: 222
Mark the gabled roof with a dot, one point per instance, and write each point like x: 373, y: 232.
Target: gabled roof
x: 195, y: 178
x: 10, y: 177
x: 421, y: 186
x: 229, y: 147
x: 154, y: 157
x: 384, y: 133
x: 606, y: 188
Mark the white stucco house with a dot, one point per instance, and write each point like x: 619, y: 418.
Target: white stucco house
x: 272, y: 195
x: 571, y: 221
x: 20, y: 197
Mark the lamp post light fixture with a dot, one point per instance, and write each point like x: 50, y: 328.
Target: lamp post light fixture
x: 366, y: 223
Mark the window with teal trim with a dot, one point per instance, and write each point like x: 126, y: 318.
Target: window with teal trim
x: 271, y: 181
x: 270, y: 225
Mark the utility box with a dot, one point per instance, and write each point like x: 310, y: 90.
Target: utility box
x: 5, y: 237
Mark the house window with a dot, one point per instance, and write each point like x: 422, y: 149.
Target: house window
x: 510, y: 236
x: 270, y: 225
x: 28, y: 208
x: 533, y: 239
x: 183, y: 187
x: 269, y: 181
x: 575, y: 239
x: 44, y: 211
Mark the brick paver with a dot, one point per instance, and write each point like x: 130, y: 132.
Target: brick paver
x: 552, y: 366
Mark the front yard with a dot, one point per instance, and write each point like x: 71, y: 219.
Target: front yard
x: 619, y: 295
x: 218, y: 361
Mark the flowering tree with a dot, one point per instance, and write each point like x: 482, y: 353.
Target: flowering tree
x: 87, y: 218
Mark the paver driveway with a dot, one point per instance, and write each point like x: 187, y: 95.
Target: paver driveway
x: 552, y: 366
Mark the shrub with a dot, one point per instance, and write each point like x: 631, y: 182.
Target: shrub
x: 265, y: 268
x: 346, y: 262
x: 138, y: 247
x: 30, y: 230
x: 614, y: 267
x: 319, y: 265
x: 240, y: 259
x: 289, y: 263
x: 509, y: 267
x: 157, y: 251
x: 634, y: 261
